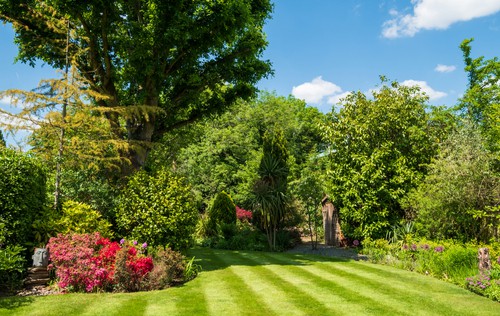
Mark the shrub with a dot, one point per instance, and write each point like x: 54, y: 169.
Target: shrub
x: 486, y: 283
x: 22, y: 195
x: 222, y: 211
x: 447, y: 260
x: 131, y: 270
x: 77, y: 263
x: 89, y: 262
x: 243, y: 215
x: 12, y: 264
x: 81, y: 218
x: 158, y: 209
x: 168, y: 269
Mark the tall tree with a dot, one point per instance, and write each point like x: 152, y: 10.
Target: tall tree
x: 270, y: 190
x: 481, y: 101
x: 78, y: 137
x: 178, y: 60
x: 379, y: 150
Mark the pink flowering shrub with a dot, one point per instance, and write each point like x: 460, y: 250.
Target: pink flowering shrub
x: 243, y: 215
x: 88, y: 262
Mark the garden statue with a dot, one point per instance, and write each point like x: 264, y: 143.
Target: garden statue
x: 41, y: 257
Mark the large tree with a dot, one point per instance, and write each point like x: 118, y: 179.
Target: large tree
x: 481, y: 101
x: 162, y: 64
x: 380, y: 147
x: 223, y: 153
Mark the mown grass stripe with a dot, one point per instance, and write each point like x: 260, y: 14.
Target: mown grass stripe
x: 277, y: 290
x: 128, y: 305
x: 366, y: 304
x: 383, y: 290
x: 433, y: 293
x: 246, y: 299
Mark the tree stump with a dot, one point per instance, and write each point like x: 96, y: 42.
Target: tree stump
x: 331, y: 223
x: 483, y: 255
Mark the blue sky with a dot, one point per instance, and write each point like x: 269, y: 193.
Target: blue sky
x: 322, y: 49
x: 349, y: 43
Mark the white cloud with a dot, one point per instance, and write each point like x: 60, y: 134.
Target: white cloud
x: 335, y: 99
x: 315, y: 91
x: 424, y: 86
x: 5, y: 100
x: 436, y: 14
x: 445, y: 68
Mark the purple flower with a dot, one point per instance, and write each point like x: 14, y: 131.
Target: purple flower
x: 425, y: 247
x: 405, y: 247
x: 498, y: 260
x: 135, y: 242
x: 439, y: 249
x: 355, y: 243
x: 122, y: 241
x: 414, y: 247
x: 144, y: 245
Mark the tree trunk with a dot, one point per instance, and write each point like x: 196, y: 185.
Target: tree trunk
x: 331, y: 223
x: 483, y: 256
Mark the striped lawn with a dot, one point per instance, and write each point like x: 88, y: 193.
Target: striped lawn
x: 255, y: 283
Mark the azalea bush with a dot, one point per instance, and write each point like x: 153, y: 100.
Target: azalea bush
x: 92, y: 263
x: 243, y: 215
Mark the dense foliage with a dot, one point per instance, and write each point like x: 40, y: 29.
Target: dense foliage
x: 158, y: 209
x: 379, y: 149
x: 81, y: 218
x: 222, y: 211
x: 11, y: 264
x: 162, y: 64
x: 460, y: 197
x: 22, y: 195
x: 481, y: 101
x: 225, y: 151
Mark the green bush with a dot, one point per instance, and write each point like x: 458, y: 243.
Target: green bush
x: 12, y: 264
x: 22, y: 195
x: 243, y: 237
x: 446, y: 260
x: 169, y: 267
x: 222, y: 211
x: 158, y: 209
x: 81, y: 218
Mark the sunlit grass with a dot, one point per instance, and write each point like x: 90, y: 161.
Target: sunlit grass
x: 255, y: 283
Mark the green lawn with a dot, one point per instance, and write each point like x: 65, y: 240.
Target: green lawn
x: 254, y: 283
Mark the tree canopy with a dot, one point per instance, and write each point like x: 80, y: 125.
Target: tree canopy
x: 481, y: 101
x: 162, y: 64
x: 379, y: 151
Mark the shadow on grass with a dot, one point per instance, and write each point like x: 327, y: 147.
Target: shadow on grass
x: 217, y: 259
x: 13, y: 302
